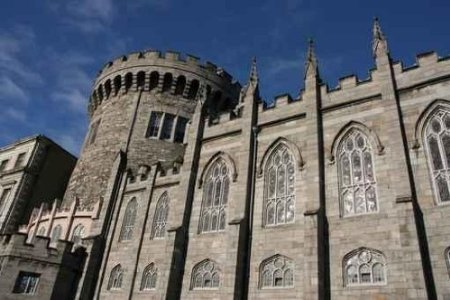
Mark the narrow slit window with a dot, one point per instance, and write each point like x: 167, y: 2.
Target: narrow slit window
x: 26, y: 283
x: 180, y: 130
x: 93, y: 132
x: 20, y: 160
x: 166, y: 131
x: 4, y: 197
x: 154, y: 124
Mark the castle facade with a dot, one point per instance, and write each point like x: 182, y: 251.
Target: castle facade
x: 190, y: 186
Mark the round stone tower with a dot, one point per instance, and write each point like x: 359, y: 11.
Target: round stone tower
x: 141, y: 104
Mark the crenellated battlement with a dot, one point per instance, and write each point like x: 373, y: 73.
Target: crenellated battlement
x: 157, y: 72
x: 429, y: 67
x: 169, y: 56
x: 19, y: 243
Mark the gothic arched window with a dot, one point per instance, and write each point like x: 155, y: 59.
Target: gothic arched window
x: 276, y: 271
x: 56, y: 234
x: 160, y: 218
x: 357, y: 184
x: 205, y: 275
x: 149, y: 277
x: 279, y: 187
x: 215, y: 197
x: 115, y: 278
x: 41, y: 231
x: 437, y: 139
x: 364, y: 267
x: 128, y: 220
x: 78, y: 234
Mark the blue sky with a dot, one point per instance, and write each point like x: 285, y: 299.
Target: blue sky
x: 50, y: 50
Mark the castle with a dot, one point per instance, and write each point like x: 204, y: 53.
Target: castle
x: 190, y: 186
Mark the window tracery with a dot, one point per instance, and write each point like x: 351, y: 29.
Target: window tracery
x: 78, y: 234
x: 56, y: 234
x: 206, y: 275
x: 437, y: 140
x: 160, y: 218
x: 364, y: 267
x: 116, y: 278
x: 149, y: 277
x: 128, y: 221
x: 279, y: 188
x: 277, y: 272
x: 356, y: 175
x: 215, y: 197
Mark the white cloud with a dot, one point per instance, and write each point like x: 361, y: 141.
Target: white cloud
x: 73, y: 83
x: 14, y: 114
x: 10, y: 91
x: 280, y: 65
x: 69, y: 142
x: 89, y: 16
x: 12, y: 47
x: 76, y: 101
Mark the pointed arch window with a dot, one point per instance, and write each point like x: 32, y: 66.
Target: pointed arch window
x: 78, y: 234
x: 149, y: 277
x: 279, y: 187
x: 276, y: 272
x: 215, y: 198
x: 447, y: 259
x: 364, y: 267
x: 116, y: 278
x: 437, y: 140
x: 128, y: 221
x: 56, y: 234
x: 357, y: 184
x: 205, y: 275
x: 160, y: 218
x: 41, y: 231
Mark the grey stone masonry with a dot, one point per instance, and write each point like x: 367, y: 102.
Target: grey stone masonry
x: 190, y: 186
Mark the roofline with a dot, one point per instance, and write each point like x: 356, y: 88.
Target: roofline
x: 38, y: 138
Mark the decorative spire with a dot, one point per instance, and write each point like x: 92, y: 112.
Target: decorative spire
x: 311, y: 60
x: 379, y: 44
x: 254, y: 79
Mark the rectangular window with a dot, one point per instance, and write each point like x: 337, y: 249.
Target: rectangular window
x: 4, y: 197
x: 3, y: 165
x: 180, y: 129
x: 154, y: 124
x: 20, y: 159
x: 93, y: 132
x: 167, y: 126
x: 26, y: 283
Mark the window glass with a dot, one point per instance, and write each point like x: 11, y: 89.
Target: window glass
x: 180, y: 129
x: 437, y: 141
x: 154, y: 124
x: 26, y: 283
x: 277, y: 271
x: 166, y: 131
x: 279, y: 186
x: 357, y: 185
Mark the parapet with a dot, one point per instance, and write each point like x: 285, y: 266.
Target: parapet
x: 18, y: 245
x: 156, y: 72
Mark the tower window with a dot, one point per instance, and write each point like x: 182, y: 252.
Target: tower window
x: 93, y: 132
x: 26, y: 283
x: 154, y: 124
x: 167, y: 126
x: 3, y: 165
x: 180, y: 129
x: 20, y: 159
x: 4, y: 197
